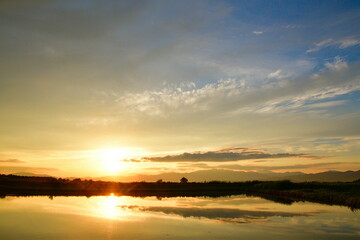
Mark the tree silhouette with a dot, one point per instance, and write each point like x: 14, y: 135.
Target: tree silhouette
x: 184, y: 180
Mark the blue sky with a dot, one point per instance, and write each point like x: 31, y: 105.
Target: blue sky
x: 168, y: 77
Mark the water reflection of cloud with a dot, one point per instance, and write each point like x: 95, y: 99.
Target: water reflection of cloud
x: 222, y: 214
x: 227, y: 202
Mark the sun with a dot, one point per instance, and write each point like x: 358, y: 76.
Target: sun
x: 111, y: 159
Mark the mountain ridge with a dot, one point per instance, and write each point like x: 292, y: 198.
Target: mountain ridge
x: 228, y: 175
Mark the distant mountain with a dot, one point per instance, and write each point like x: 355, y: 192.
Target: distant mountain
x: 197, y: 176
x: 29, y: 174
x: 228, y: 175
x: 330, y: 176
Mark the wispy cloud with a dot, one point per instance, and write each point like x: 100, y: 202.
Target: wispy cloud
x: 337, y: 65
x: 292, y: 26
x: 233, y: 94
x: 325, y: 104
x: 279, y: 74
x: 342, y: 43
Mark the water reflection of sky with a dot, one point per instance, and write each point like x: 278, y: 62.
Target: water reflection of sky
x: 120, y: 217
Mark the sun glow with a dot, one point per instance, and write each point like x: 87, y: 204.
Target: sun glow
x: 111, y: 160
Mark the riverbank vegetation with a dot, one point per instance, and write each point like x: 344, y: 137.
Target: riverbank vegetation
x: 287, y: 192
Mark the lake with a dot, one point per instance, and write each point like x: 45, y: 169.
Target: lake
x: 122, y: 217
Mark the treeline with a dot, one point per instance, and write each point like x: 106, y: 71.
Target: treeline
x: 339, y: 193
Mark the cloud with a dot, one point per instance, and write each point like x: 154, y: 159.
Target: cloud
x: 275, y: 74
x: 223, y: 156
x: 257, y: 32
x: 130, y: 160
x: 345, y: 43
x: 325, y: 104
x: 238, y: 167
x: 285, y: 167
x: 338, y: 64
x: 342, y: 44
x: 279, y: 74
x: 321, y: 44
x: 11, y: 161
x: 247, y: 94
x: 292, y: 26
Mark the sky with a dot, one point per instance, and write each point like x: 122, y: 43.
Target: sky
x: 92, y: 88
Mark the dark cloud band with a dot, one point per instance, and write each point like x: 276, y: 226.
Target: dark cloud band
x: 225, y: 155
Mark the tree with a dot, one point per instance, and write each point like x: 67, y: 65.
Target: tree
x: 184, y: 180
x: 159, y: 181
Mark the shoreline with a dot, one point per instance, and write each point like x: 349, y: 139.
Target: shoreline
x: 286, y: 192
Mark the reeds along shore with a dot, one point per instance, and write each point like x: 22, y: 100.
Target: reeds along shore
x: 339, y: 193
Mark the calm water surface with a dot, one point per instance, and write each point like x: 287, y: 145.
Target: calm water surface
x: 112, y: 217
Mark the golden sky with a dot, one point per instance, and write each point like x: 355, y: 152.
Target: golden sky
x: 95, y: 89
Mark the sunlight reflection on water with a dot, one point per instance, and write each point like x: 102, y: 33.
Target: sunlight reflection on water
x: 107, y: 207
x: 121, y: 217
